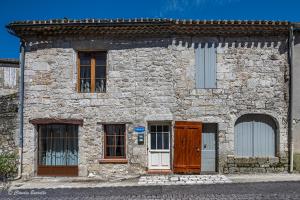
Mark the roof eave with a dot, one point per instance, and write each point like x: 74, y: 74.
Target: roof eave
x: 173, y: 27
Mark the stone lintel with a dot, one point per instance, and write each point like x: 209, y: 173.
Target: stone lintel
x: 39, y: 121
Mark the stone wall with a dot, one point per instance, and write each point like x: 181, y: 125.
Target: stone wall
x: 255, y: 165
x: 153, y: 79
x: 9, y: 124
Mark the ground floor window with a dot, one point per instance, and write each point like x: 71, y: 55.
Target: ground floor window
x: 115, y: 141
x: 58, y: 145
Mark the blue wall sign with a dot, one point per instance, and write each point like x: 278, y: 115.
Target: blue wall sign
x: 139, y: 129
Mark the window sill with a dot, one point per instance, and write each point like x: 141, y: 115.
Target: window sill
x: 91, y: 92
x: 113, y: 161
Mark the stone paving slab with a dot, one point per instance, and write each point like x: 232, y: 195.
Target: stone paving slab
x: 145, y: 180
x: 182, y: 179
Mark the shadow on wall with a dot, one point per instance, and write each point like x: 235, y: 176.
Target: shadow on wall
x: 297, y: 38
x: 129, y: 43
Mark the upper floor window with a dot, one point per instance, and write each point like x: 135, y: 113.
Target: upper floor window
x: 91, y: 72
x: 206, y: 66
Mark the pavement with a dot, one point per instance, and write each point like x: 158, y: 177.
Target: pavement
x: 149, y: 180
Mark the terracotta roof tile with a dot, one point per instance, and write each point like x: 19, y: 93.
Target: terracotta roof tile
x: 144, y: 26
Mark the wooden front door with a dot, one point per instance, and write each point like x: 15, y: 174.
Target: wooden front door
x: 187, y: 147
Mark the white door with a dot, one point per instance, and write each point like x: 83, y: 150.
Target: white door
x: 159, y: 147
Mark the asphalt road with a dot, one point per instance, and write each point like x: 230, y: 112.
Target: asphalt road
x: 270, y: 190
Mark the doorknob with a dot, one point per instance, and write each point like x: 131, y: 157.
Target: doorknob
x: 198, y: 149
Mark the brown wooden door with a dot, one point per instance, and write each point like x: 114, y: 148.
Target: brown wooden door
x: 187, y: 147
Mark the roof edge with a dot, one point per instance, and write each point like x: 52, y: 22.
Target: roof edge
x: 9, y: 62
x: 142, y: 26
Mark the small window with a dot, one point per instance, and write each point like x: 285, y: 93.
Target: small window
x: 115, y: 141
x: 92, y: 72
x: 206, y: 66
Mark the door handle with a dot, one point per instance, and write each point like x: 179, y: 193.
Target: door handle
x: 198, y: 149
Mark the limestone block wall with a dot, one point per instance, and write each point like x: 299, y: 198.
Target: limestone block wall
x: 255, y: 165
x: 9, y: 124
x: 153, y: 79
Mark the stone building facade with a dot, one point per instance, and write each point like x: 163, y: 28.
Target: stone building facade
x: 151, y: 80
x: 296, y: 98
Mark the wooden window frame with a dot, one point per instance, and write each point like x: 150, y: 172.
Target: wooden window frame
x: 118, y: 159
x: 93, y: 70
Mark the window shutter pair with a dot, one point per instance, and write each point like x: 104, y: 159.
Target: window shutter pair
x: 254, y: 135
x: 206, y: 66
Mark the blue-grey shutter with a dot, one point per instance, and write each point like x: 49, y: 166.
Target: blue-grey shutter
x: 264, y: 137
x: 243, y: 138
x: 206, y: 66
x: 200, y: 66
x: 255, y: 136
x: 210, y: 66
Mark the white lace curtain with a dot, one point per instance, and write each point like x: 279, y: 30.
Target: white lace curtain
x: 58, y: 145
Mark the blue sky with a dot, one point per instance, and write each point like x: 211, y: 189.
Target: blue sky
x: 11, y: 10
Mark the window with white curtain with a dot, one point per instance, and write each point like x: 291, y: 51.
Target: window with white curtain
x: 92, y: 72
x: 58, y: 145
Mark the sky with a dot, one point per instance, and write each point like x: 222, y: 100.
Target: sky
x: 12, y: 10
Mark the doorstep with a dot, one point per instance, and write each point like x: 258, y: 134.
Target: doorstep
x: 157, y: 171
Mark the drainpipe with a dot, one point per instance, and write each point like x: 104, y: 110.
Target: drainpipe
x: 21, y: 106
x: 290, y: 110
